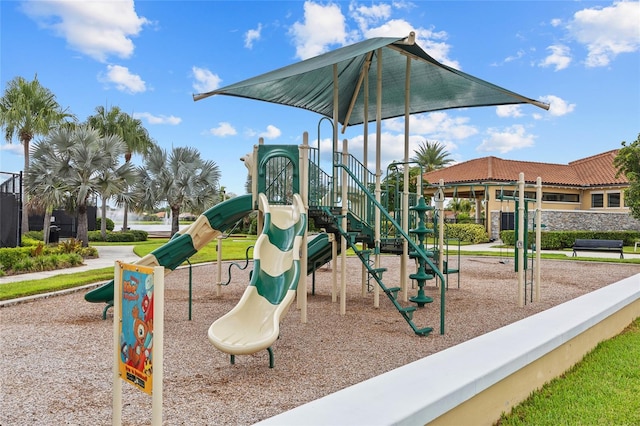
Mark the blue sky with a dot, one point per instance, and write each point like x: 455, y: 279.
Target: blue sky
x: 149, y: 57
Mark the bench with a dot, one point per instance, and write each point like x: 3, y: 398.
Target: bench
x: 598, y: 245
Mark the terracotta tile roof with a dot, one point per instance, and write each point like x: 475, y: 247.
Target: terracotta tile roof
x: 596, y: 170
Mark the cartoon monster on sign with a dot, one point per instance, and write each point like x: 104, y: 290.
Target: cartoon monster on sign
x: 136, y: 333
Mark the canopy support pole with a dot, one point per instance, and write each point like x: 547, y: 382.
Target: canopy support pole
x: 520, y: 240
x: 336, y: 91
x: 376, y: 295
x: 404, y: 276
x: 304, y: 192
x: 365, y: 159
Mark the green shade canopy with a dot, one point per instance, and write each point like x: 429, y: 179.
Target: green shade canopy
x: 433, y: 86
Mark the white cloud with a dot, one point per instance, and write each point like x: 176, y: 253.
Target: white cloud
x: 325, y: 25
x: 556, y: 22
x: 505, y: 140
x: 322, y: 27
x: 433, y: 42
x: 519, y: 54
x: 434, y: 126
x: 122, y: 79
x: 509, y: 111
x: 367, y: 15
x: 560, y: 57
x: 251, y: 36
x: 224, y: 129
x: 607, y: 32
x: 13, y: 148
x: 158, y: 119
x: 557, y: 106
x: 95, y: 28
x: 272, y: 132
x: 205, y: 80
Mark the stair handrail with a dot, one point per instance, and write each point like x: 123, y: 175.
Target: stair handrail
x: 386, y: 214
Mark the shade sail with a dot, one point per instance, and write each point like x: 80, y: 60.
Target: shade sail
x: 309, y: 84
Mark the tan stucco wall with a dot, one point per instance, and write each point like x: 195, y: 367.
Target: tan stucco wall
x: 486, y: 407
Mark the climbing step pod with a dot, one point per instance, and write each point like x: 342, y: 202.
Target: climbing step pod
x: 376, y: 273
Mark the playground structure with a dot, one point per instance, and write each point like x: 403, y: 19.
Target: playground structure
x: 279, y: 172
x: 345, y: 200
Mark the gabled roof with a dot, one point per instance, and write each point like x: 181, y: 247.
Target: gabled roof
x: 597, y: 170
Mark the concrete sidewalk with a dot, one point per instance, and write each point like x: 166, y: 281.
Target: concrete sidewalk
x: 108, y: 255
x: 508, y: 252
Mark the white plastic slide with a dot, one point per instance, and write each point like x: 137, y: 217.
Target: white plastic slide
x: 254, y: 323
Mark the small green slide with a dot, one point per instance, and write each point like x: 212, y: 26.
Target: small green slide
x: 182, y: 246
x: 214, y: 221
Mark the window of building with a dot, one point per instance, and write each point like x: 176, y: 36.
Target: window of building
x: 613, y: 199
x: 531, y: 195
x: 560, y: 197
x: 597, y: 201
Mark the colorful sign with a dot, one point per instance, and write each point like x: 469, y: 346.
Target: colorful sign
x: 136, y: 326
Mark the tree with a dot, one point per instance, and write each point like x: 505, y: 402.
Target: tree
x: 28, y: 109
x: 79, y: 159
x: 46, y: 191
x: 113, y: 180
x: 393, y: 186
x: 431, y: 156
x: 628, y: 163
x: 182, y: 179
x: 114, y: 121
x: 458, y: 206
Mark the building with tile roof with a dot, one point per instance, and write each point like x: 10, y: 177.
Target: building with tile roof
x: 589, y: 184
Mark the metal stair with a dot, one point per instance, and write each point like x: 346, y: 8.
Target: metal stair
x: 376, y: 274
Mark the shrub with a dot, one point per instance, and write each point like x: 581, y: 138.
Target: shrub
x: 88, y: 252
x: 95, y: 235
x: 33, y: 235
x: 26, y: 264
x: 110, y: 224
x: 70, y: 259
x: 10, y: 257
x: 467, y: 232
x: 70, y: 246
x: 120, y: 237
x: 139, y: 235
x: 558, y: 240
x: 30, y: 242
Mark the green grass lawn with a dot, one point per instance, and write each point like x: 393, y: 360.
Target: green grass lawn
x: 603, y: 389
x: 232, y: 249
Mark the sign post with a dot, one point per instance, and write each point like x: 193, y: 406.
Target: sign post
x: 138, y: 334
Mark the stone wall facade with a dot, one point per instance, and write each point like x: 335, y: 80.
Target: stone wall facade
x: 574, y: 220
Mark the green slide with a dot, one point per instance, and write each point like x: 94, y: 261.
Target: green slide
x: 220, y: 217
x: 318, y: 252
x: 183, y: 245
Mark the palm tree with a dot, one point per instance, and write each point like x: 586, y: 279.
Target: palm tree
x: 46, y: 191
x: 182, y: 179
x: 114, y: 121
x: 113, y: 180
x: 458, y: 206
x: 79, y: 159
x: 28, y: 109
x: 431, y: 156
